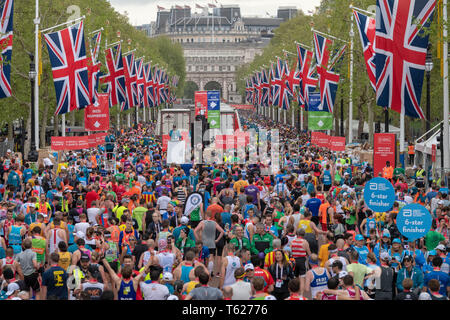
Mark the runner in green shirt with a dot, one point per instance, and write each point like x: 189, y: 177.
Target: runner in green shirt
x: 139, y: 214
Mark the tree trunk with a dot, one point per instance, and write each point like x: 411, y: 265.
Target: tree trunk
x: 56, y: 120
x: 28, y: 139
x: 360, y: 120
x: 43, y: 124
x: 10, y: 130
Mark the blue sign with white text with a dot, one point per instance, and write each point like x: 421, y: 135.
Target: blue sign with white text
x: 314, y: 102
x: 414, y: 221
x: 379, y: 195
x: 213, y: 100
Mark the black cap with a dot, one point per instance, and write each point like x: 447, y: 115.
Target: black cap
x: 85, y: 257
x: 8, y: 273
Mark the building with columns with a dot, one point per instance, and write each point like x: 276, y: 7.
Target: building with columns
x: 216, y: 42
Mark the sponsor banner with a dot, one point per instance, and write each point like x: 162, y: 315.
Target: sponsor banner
x: 337, y: 143
x: 320, y: 120
x: 78, y: 142
x: 201, y: 103
x: 384, y: 150
x: 96, y: 117
x: 243, y: 107
x: 414, y: 221
x: 433, y: 153
x: 314, y: 102
x: 379, y: 195
x: 214, y: 119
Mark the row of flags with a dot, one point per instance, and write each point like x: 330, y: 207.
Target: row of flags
x: 394, y: 52
x: 281, y: 84
x: 197, y: 6
x: 77, y: 76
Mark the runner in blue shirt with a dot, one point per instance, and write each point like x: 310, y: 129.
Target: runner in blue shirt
x: 442, y: 277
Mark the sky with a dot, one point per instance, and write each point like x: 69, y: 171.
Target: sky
x: 144, y: 11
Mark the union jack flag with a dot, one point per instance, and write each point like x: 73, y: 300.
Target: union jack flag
x: 94, y: 67
x: 149, y: 88
x: 307, y: 83
x: 115, y: 77
x: 265, y: 85
x: 255, y: 84
x: 161, y: 86
x: 292, y: 78
x: 157, y: 84
x: 366, y: 27
x: 271, y: 84
x: 166, y: 87
x: 281, y: 94
x: 322, y: 47
x: 140, y: 81
x: 248, y: 90
x: 130, y: 82
x: 401, y: 47
x: 6, y: 42
x: 67, y: 52
x: 258, y: 78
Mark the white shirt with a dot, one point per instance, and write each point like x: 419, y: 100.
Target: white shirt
x: 163, y: 202
x: 408, y: 199
x: 154, y: 291
x: 92, y: 213
x: 81, y: 226
x: 241, y: 290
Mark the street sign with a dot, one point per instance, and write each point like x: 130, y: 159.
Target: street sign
x: 379, y: 195
x: 414, y: 221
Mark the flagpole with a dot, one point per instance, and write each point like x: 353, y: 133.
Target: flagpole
x: 63, y: 24
x: 446, y: 102
x: 101, y: 29
x: 327, y: 35
x: 303, y: 45
x: 361, y: 10
x: 63, y: 124
x: 402, y: 130
x: 350, y: 100
x: 37, y: 21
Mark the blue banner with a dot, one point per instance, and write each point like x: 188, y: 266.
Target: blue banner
x: 314, y: 102
x: 213, y: 100
x: 414, y: 221
x: 379, y: 195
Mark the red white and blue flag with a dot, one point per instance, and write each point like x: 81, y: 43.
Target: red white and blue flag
x: 248, y: 90
x: 140, y: 81
x: 322, y: 48
x: 292, y: 79
x: 157, y: 86
x: 67, y: 52
x: 6, y: 43
x: 367, y: 28
x: 149, y: 87
x: 307, y: 82
x: 94, y: 68
x: 115, y: 77
x: 281, y: 95
x: 265, y: 85
x: 271, y: 84
x: 401, y: 47
x: 129, y: 69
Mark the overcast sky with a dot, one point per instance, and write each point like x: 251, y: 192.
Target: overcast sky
x: 144, y: 11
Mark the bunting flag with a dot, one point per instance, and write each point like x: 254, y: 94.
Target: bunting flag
x: 6, y: 43
x: 292, y: 79
x: 282, y: 92
x: 322, y: 48
x: 149, y: 87
x: 255, y: 96
x: 265, y: 85
x: 156, y: 86
x: 307, y: 82
x: 248, y: 90
x: 67, y: 52
x: 401, y: 48
x: 140, y: 81
x: 366, y: 27
x: 129, y: 69
x: 258, y: 88
x: 94, y: 68
x: 115, y: 77
x: 271, y: 83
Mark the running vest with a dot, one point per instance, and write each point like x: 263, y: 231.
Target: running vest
x: 370, y: 224
x: 126, y: 291
x: 338, y: 258
x: 115, y: 234
x: 38, y: 245
x: 305, y: 225
x: 15, y: 239
x: 64, y: 260
x: 319, y: 282
x: 185, y: 270
x: 54, y: 240
x: 111, y: 254
x: 166, y: 260
x: 297, y: 248
x: 233, y: 263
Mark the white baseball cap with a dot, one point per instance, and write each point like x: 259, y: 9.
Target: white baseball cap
x: 249, y: 266
x: 172, y: 297
x: 12, y: 287
x: 167, y: 276
x: 440, y: 247
x: 184, y: 220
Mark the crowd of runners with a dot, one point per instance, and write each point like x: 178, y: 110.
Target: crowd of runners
x: 110, y: 223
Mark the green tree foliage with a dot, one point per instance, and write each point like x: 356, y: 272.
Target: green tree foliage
x: 98, y: 14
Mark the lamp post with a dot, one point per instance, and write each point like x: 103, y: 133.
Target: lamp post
x: 428, y: 68
x: 32, y: 155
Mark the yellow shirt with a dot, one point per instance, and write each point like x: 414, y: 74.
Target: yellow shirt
x: 65, y: 259
x: 306, y: 225
x: 380, y: 216
x: 323, y: 254
x: 240, y: 184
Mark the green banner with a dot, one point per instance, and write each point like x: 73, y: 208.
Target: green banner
x: 214, y: 119
x: 320, y: 120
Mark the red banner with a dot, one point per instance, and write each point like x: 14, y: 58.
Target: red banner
x: 96, y: 118
x: 243, y: 106
x: 383, y: 150
x: 78, y: 142
x: 201, y: 103
x: 337, y: 143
